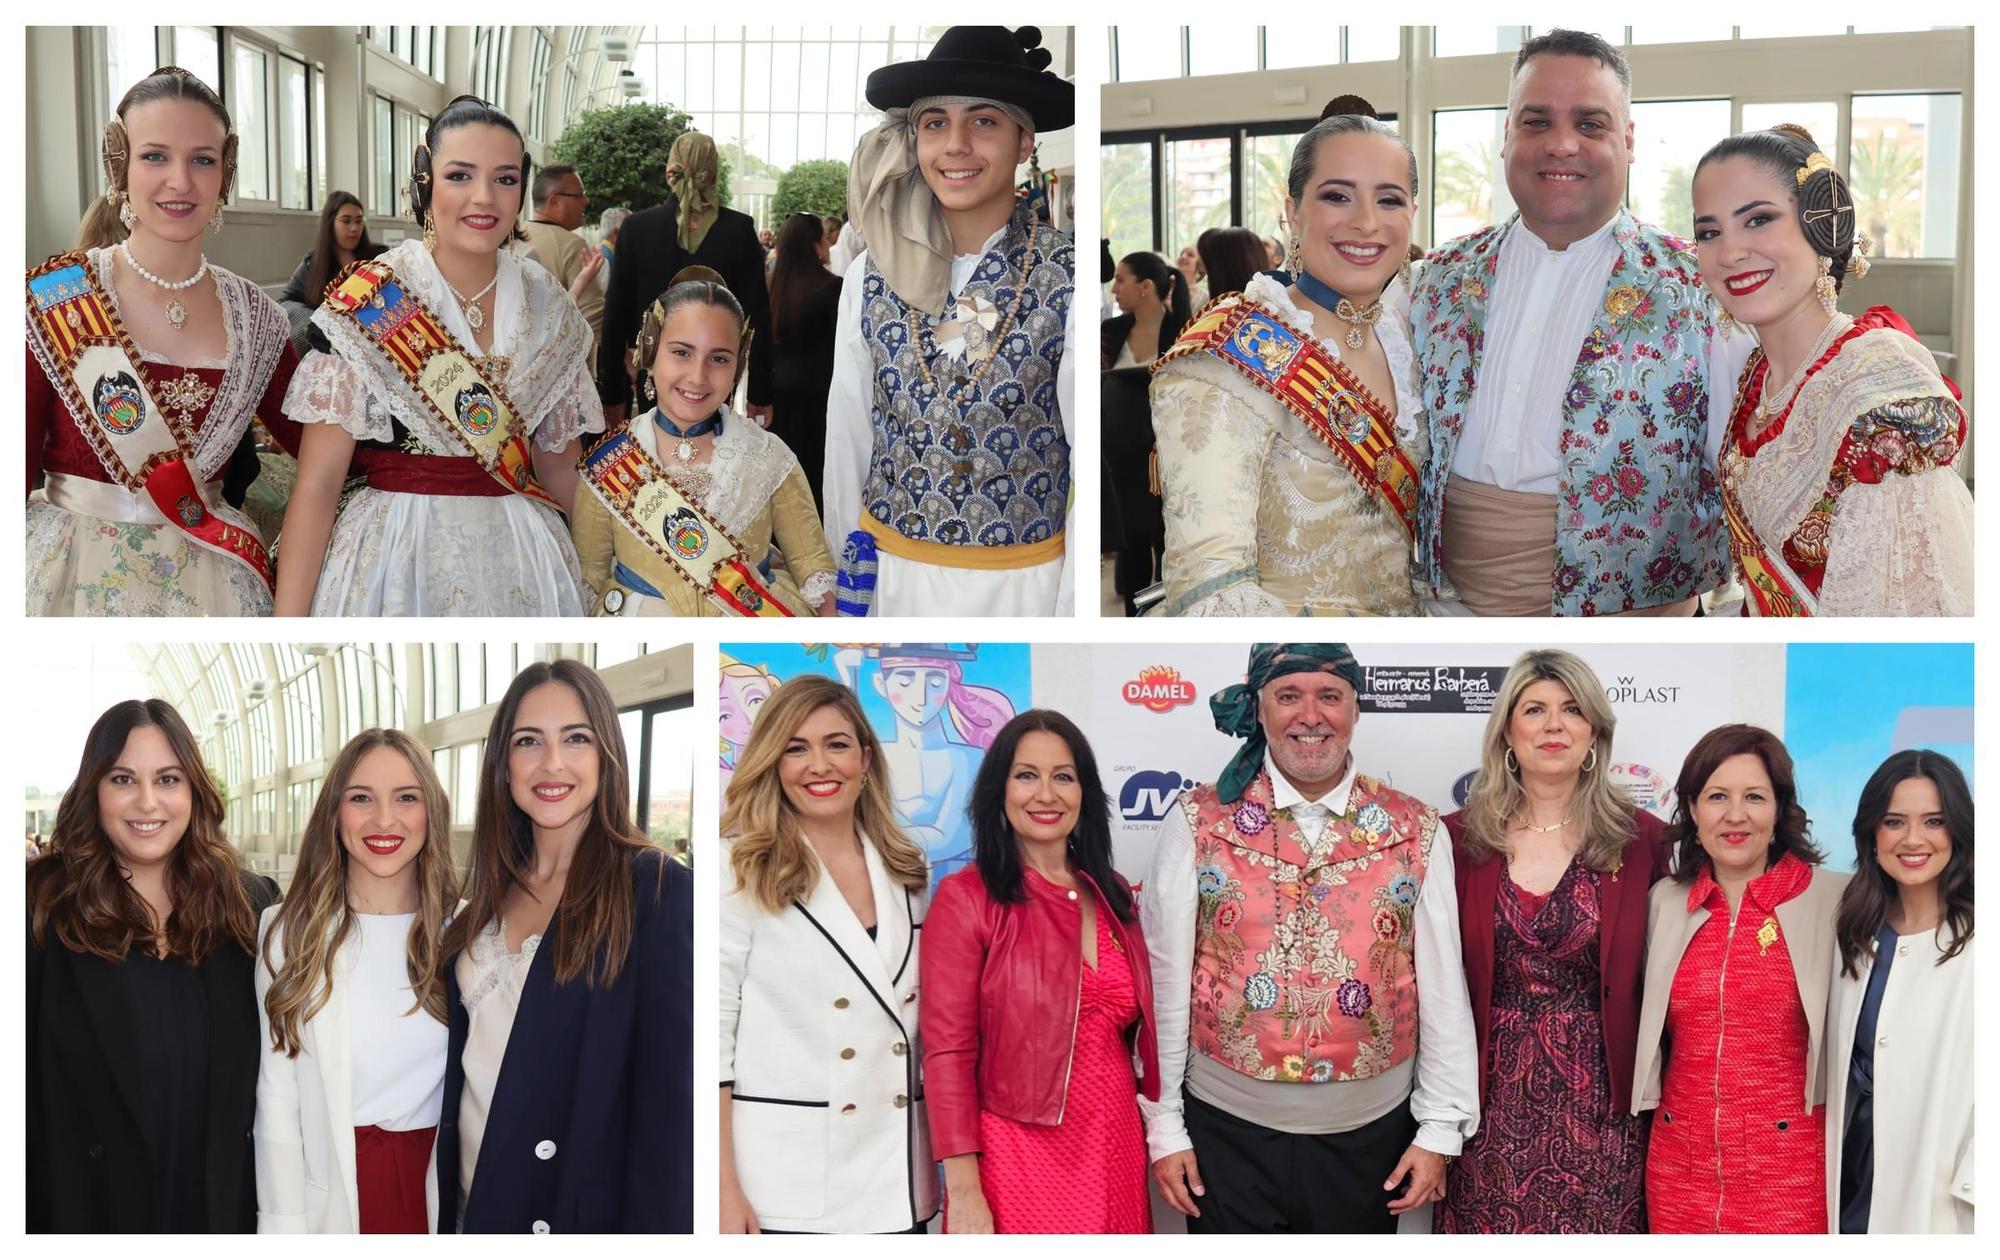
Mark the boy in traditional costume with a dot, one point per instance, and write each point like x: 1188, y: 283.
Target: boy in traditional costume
x: 948, y: 429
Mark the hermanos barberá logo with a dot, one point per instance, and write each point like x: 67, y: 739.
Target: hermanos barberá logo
x: 1147, y: 795
x: 1158, y: 688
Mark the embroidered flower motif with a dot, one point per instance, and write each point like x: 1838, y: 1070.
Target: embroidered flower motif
x: 1353, y: 998
x: 1681, y: 397
x: 1807, y: 545
x: 1294, y: 1068
x: 1767, y: 936
x: 1890, y: 445
x: 1228, y: 915
x: 1622, y: 301
x: 1631, y: 482
x: 1251, y: 818
x: 1374, y: 820
x: 1387, y: 925
x: 1403, y: 889
x: 1322, y: 1071
x: 1209, y: 881
x: 1602, y: 488
x: 1578, y: 396
x: 1260, y: 991
x: 1568, y: 578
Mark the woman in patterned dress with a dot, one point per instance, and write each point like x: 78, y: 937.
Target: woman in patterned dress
x: 434, y: 533
x: 1739, y: 964
x: 1036, y: 995
x: 1837, y: 469
x: 214, y: 354
x: 1552, y: 864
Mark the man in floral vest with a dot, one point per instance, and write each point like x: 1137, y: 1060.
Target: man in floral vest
x: 1317, y: 1061
x: 1575, y: 380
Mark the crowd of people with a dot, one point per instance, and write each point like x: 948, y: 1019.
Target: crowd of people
x: 385, y: 1049
x: 496, y: 417
x: 1326, y: 1006
x: 1567, y: 413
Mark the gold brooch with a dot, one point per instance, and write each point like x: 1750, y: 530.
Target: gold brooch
x: 1817, y: 162
x: 1767, y: 936
x: 1622, y: 301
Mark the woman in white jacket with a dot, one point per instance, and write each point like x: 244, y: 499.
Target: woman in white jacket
x: 822, y: 1117
x: 1900, y: 1092
x: 350, y: 994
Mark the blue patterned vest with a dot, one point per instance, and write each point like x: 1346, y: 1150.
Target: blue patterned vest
x: 979, y: 460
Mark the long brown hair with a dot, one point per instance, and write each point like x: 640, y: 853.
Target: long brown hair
x: 592, y: 929
x: 1871, y: 894
x: 768, y: 853
x: 1603, y: 812
x: 326, y: 247
x: 796, y: 271
x: 1793, y: 830
x: 315, y: 919
x: 101, y: 225
x: 78, y: 895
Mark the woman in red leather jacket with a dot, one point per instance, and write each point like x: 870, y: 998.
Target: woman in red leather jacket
x: 1037, y: 1002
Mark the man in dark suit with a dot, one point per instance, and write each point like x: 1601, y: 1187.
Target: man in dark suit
x: 691, y: 227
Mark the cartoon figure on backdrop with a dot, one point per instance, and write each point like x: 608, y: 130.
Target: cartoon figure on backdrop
x: 943, y: 727
x: 745, y: 688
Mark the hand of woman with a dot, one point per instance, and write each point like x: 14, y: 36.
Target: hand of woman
x: 737, y: 1216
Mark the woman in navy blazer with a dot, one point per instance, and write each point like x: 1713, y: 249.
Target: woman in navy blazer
x: 1552, y: 864
x: 569, y: 1082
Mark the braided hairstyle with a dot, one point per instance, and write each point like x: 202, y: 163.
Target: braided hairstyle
x: 690, y: 286
x: 463, y: 111
x: 1823, y: 201
x: 101, y: 225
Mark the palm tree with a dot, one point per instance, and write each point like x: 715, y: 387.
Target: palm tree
x: 1888, y: 187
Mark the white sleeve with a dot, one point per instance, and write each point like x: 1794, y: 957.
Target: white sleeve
x: 1445, y: 1100
x: 1212, y: 452
x: 1167, y: 904
x: 850, y: 436
x: 277, y: 1143
x: 1066, y: 402
x: 1901, y: 548
x: 734, y: 930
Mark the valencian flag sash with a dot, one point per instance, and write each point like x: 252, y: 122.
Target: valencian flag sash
x: 437, y: 367
x: 102, y: 380
x: 1314, y: 386
x: 1777, y: 590
x: 640, y: 493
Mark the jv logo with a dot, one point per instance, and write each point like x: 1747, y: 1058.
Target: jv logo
x: 1148, y: 794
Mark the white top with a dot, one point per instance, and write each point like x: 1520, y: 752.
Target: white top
x: 1445, y: 1098
x: 1125, y: 357
x: 490, y: 981
x: 1924, y: 1089
x: 850, y: 429
x: 399, y: 1065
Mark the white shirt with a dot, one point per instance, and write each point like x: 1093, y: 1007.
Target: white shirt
x: 490, y: 983
x: 1445, y: 1099
x: 399, y: 1053
x: 850, y: 432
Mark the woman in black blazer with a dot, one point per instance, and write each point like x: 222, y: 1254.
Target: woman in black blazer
x: 141, y: 1022
x: 569, y: 1086
x: 805, y: 307
x: 1153, y: 302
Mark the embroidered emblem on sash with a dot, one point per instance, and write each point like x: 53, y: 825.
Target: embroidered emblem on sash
x: 476, y: 410
x: 685, y: 534
x: 189, y: 510
x: 118, y: 403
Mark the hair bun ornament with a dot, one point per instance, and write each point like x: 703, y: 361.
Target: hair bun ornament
x: 1348, y: 103
x: 1796, y: 129
x: 698, y: 274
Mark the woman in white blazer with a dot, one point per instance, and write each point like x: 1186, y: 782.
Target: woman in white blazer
x: 1899, y: 1040
x: 350, y: 996
x: 822, y: 1123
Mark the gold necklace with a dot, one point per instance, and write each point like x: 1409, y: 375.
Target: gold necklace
x: 1543, y: 831
x: 958, y: 435
x: 1357, y: 318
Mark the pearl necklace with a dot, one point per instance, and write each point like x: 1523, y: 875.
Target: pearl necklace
x: 1764, y: 413
x: 177, y: 314
x: 470, y: 305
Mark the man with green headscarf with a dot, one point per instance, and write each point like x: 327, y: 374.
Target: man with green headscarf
x: 1308, y: 985
x: 691, y: 227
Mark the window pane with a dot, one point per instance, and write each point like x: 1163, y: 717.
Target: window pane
x: 1217, y: 48
x: 195, y: 51
x: 1149, y: 51
x: 384, y: 198
x: 1903, y: 171
x: 1266, y: 160
x: 1668, y: 138
x: 471, y: 691
x: 1822, y: 118
x: 319, y: 188
x: 700, y: 77
x: 251, y: 114
x: 1291, y: 44
x: 465, y: 800
x: 1197, y: 190
x: 784, y: 79
x: 1682, y: 33
x: 1469, y: 182
x: 631, y: 726
x: 294, y: 190
x: 1127, y: 172
x: 1466, y: 41
x: 130, y: 54
x: 1374, y: 43
x: 672, y: 756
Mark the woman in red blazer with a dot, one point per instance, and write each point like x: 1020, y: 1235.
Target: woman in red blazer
x: 1036, y: 1002
x: 1552, y: 864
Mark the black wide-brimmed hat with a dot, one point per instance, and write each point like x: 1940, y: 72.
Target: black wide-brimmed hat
x: 988, y: 61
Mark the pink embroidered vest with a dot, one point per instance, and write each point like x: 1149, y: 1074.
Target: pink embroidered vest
x: 1305, y: 966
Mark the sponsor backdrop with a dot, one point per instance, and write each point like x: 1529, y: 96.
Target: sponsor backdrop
x: 1424, y: 709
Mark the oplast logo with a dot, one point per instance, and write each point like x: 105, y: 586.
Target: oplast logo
x: 1149, y: 794
x: 1159, y: 688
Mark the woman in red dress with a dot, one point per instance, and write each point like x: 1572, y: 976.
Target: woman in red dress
x: 1036, y: 996
x: 1739, y: 965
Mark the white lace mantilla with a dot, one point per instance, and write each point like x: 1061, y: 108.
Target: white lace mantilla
x: 536, y: 329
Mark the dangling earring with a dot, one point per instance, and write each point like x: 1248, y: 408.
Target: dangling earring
x: 126, y: 214
x: 215, y: 219
x: 1513, y: 766
x: 646, y: 386
x: 1403, y: 274
x: 1590, y: 759
x: 1725, y: 323
x: 1829, y: 294
x: 430, y: 231
x: 1292, y: 258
